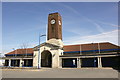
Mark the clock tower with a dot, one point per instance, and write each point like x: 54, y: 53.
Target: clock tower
x: 53, y: 47
x: 54, y: 26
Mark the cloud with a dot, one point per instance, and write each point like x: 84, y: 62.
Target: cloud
x: 111, y: 36
x: 113, y: 25
x: 98, y: 27
x: 69, y: 8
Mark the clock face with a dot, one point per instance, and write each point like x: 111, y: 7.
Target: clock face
x: 52, y: 21
x: 59, y: 23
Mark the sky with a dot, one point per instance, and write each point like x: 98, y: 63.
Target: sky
x: 83, y: 22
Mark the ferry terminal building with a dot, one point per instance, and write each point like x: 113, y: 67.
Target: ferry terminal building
x: 53, y: 53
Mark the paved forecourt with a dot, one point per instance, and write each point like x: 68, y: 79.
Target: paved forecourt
x: 60, y: 73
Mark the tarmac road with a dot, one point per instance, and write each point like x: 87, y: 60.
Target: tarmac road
x: 59, y: 73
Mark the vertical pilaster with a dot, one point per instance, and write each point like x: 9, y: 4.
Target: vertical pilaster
x: 55, y: 59
x: 9, y: 62
x: 60, y: 62
x: 21, y: 62
x: 35, y: 59
x: 78, y: 63
x: 99, y: 62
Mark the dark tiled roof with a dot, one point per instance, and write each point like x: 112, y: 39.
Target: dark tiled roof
x: 91, y: 46
x: 22, y: 51
x: 68, y: 48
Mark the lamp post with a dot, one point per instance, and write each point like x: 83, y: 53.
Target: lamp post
x: 94, y: 56
x: 14, y: 57
x: 39, y: 56
x: 15, y: 54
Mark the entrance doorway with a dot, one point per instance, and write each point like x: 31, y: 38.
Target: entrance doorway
x: 28, y: 63
x: 46, y: 59
x: 110, y: 62
x: 70, y: 62
x: 89, y: 62
x: 6, y: 63
x: 15, y: 63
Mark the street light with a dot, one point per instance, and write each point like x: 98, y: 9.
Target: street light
x: 14, y: 57
x: 94, y: 56
x: 15, y: 54
x: 39, y: 56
